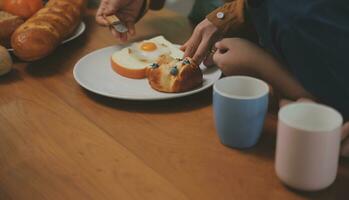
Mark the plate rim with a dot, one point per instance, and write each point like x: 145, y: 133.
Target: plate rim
x: 170, y: 96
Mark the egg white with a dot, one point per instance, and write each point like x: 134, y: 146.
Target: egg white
x: 149, y: 56
x: 132, y: 57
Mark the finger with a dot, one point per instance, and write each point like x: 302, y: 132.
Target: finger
x: 110, y: 10
x: 217, y: 57
x: 221, y: 45
x: 284, y: 102
x: 123, y: 37
x: 208, y: 61
x: 305, y: 100
x: 100, y: 17
x: 192, y: 46
x: 201, y: 51
x: 184, y: 46
x: 116, y: 34
x: 101, y: 21
x: 345, y: 148
x: 105, y: 9
x: 345, y: 130
x: 131, y: 28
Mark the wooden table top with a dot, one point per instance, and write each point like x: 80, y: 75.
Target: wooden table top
x: 58, y: 141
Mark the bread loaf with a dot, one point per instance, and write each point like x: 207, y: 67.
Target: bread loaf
x: 43, y: 32
x: 1, y: 4
x: 174, y: 75
x: 8, y: 24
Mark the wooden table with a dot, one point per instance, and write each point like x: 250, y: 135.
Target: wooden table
x: 58, y: 141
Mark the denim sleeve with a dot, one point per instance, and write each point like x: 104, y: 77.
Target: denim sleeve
x: 315, y: 50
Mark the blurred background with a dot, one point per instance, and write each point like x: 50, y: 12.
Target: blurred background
x: 181, y: 6
x: 196, y: 10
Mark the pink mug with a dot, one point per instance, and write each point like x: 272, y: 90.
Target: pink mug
x: 308, y: 145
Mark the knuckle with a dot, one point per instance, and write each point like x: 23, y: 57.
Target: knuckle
x: 200, y: 57
x: 214, y: 59
x: 200, y: 27
x: 190, y: 48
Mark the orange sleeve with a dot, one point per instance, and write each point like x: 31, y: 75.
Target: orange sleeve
x: 229, y: 16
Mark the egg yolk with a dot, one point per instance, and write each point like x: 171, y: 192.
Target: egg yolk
x: 148, y: 46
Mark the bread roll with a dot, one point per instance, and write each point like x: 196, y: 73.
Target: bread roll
x: 42, y: 33
x: 8, y: 24
x: 5, y: 61
x: 174, y: 75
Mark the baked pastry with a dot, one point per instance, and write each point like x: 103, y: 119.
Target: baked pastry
x: 1, y: 4
x: 174, y: 75
x: 21, y: 8
x: 42, y: 33
x: 8, y: 24
x: 5, y: 61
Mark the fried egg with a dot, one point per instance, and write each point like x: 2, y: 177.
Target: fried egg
x: 133, y: 60
x: 149, y: 51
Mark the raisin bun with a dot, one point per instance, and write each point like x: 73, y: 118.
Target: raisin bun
x: 174, y: 75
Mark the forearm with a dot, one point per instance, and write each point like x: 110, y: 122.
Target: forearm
x: 243, y: 57
x: 271, y: 70
x: 229, y: 16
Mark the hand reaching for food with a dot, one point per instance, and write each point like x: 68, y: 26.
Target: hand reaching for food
x: 199, y: 44
x: 233, y: 56
x: 229, y: 17
x: 127, y: 11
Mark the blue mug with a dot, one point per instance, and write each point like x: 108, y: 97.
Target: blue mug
x: 240, y: 104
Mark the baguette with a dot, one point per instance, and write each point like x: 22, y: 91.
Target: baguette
x: 42, y: 33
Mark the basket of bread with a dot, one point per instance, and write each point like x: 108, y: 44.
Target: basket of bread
x: 34, y: 29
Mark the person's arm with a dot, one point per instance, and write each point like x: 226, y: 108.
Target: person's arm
x: 235, y: 56
x: 128, y: 11
x: 230, y: 15
x: 217, y: 23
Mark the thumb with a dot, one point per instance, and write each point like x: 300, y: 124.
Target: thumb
x: 284, y: 102
x: 345, y: 141
x: 131, y: 28
x: 105, y: 9
x: 217, y: 58
x: 221, y: 45
x: 345, y: 130
x: 185, y: 45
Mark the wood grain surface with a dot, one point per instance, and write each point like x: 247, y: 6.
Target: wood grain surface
x: 58, y: 141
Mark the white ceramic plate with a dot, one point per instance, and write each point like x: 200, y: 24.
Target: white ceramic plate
x: 94, y: 73
x: 78, y: 31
